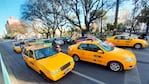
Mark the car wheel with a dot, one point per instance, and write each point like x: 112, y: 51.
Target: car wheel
x: 76, y: 58
x: 138, y: 46
x: 115, y: 66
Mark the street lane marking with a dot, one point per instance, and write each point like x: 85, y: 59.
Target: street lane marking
x: 87, y: 77
x: 132, y: 77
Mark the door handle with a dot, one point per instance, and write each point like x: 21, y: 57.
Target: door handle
x: 97, y: 56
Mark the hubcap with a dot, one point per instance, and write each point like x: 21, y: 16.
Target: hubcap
x: 76, y: 58
x: 115, y: 67
x: 137, y: 46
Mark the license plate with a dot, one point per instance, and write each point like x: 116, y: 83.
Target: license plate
x: 67, y: 70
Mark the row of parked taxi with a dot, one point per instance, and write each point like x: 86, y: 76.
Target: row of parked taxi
x: 52, y: 64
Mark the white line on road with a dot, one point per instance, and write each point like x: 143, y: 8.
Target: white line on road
x: 132, y: 77
x: 87, y: 77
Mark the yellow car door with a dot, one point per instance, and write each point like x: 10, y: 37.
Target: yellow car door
x: 92, y: 54
x: 122, y: 41
x: 82, y: 51
x: 25, y: 56
x: 119, y: 41
x: 32, y: 61
x: 96, y: 54
x: 127, y: 41
x: 102, y: 56
x: 29, y: 58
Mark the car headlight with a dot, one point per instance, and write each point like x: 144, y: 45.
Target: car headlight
x: 55, y: 72
x: 145, y: 42
x: 129, y: 59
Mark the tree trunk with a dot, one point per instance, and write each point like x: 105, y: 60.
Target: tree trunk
x: 147, y: 27
x: 116, y: 15
x: 47, y: 35
x: 61, y: 33
x: 71, y: 33
x: 53, y: 33
x: 82, y: 32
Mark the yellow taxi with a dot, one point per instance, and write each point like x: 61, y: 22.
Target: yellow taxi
x: 124, y: 40
x: 47, y: 61
x: 116, y: 59
x: 17, y: 47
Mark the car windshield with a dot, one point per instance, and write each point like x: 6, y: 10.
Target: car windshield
x: 106, y: 46
x: 45, y: 52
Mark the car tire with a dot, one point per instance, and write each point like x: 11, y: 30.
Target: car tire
x: 137, y: 46
x: 115, y: 66
x: 76, y: 58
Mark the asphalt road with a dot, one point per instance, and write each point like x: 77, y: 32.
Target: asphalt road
x: 83, y: 73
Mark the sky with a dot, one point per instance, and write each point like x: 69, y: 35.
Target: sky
x: 9, y: 8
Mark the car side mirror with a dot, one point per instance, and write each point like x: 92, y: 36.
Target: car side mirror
x: 100, y: 52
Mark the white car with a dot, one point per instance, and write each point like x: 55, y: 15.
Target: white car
x: 59, y: 41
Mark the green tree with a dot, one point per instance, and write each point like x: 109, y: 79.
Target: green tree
x: 144, y: 17
x: 45, y: 10
x: 142, y: 6
x: 37, y: 10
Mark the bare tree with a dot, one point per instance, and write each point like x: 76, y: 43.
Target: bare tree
x: 82, y: 12
x: 37, y: 10
x: 46, y: 10
x: 79, y: 13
